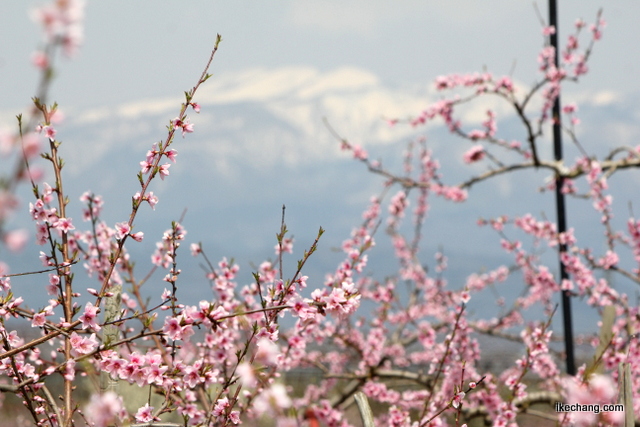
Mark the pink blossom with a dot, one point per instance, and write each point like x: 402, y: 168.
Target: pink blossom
x: 122, y: 230
x: 454, y: 193
x: 191, y: 411
x: 163, y: 170
x: 269, y: 332
x: 32, y: 147
x: 192, y: 377
x: 477, y: 134
x: 247, y: 374
x: 457, y: 399
x: 171, y: 155
x: 399, y: 203
x: 474, y: 154
x: 172, y: 328
x: 64, y: 225
x: 145, y: 414
x: 49, y: 132
x: 56, y: 116
x: 546, y: 57
x: 187, y: 332
x: 136, y: 359
x: 609, y: 260
x: 443, y: 82
x: 286, y: 246
x: 597, y: 390
x: 504, y: 83
x: 302, y: 309
x: 272, y: 400
x: 580, y: 67
x: 603, y: 388
x: 5, y: 282
x: 196, y: 249
x: 152, y: 154
x: 220, y: 406
x: 88, y: 318
x: 40, y: 60
x: 359, y: 153
x: 152, y: 200
x: 45, y: 260
x: 70, y: 371
x: 335, y: 300
x: 145, y: 166
x: 16, y: 240
x: 184, y: 125
x: 465, y: 297
x: 38, y: 319
x: 155, y: 374
x: 267, y: 352
x: 570, y: 108
x: 42, y: 234
x: 62, y: 23
x: 54, y: 281
x: 83, y: 345
x: 104, y: 410
x: 596, y: 30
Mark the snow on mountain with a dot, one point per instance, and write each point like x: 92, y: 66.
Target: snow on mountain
x: 296, y: 98
x: 260, y: 142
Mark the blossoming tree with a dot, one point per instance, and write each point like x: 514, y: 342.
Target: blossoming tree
x: 415, y: 355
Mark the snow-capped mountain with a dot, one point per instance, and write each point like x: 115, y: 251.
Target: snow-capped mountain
x: 260, y: 142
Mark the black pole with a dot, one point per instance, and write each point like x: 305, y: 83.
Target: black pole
x: 560, y: 205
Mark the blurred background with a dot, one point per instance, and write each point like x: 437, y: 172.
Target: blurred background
x: 260, y: 141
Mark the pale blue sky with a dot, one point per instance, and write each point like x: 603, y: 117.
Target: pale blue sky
x: 148, y: 48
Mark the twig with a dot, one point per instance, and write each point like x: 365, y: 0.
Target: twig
x: 364, y: 408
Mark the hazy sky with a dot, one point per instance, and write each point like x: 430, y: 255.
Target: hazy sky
x: 147, y: 48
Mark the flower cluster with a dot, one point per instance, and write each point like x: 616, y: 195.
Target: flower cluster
x: 62, y: 23
x: 409, y: 341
